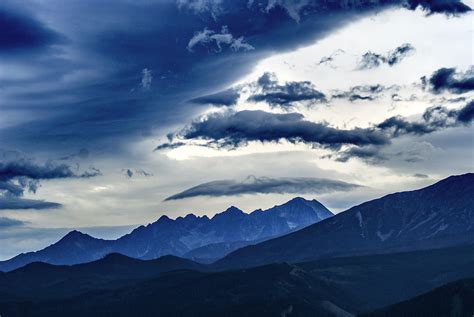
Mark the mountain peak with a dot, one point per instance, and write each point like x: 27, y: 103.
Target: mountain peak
x: 75, y: 234
x: 233, y: 209
x: 163, y: 219
x: 298, y: 200
x: 190, y: 216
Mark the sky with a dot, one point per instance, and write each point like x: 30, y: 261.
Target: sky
x: 113, y: 113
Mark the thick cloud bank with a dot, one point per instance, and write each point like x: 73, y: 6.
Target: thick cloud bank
x: 124, y: 69
x: 234, y: 129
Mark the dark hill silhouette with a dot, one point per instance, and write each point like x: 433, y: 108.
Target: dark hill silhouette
x: 328, y: 287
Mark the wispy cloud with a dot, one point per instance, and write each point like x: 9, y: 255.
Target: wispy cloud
x: 265, y: 185
x: 9, y: 222
x: 226, y: 97
x: 361, y: 92
x: 22, y: 203
x: 372, y: 60
x: 218, y: 40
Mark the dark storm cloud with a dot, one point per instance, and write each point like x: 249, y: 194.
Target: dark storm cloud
x: 372, y: 60
x: 447, y: 79
x: 9, y: 222
x: 276, y: 95
x: 21, y: 33
x: 439, y: 6
x: 31, y: 170
x: 18, y: 174
x: 466, y: 114
x: 433, y: 119
x: 399, y: 126
x: 226, y: 97
x: 265, y: 185
x: 234, y: 129
x: 97, y: 97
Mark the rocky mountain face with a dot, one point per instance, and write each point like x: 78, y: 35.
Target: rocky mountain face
x: 225, y: 231
x: 436, y: 216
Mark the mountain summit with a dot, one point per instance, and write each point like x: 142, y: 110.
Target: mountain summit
x: 200, y: 238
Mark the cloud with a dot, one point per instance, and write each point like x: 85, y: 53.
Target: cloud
x: 21, y: 204
x: 228, y: 97
x: 77, y: 93
x: 283, y: 96
x: 22, y: 33
x: 328, y: 60
x: 147, y: 78
x: 170, y: 146
x: 208, y: 37
x: 361, y: 92
x: 447, y: 79
x: 82, y: 154
x: 371, y: 154
x: 373, y: 60
x: 31, y: 170
x: 231, y: 130
x: 419, y: 175
x: 433, y: 119
x: 214, y: 7
x: 265, y: 185
x: 292, y: 7
x: 129, y: 173
x: 452, y: 7
x: 466, y: 114
x: 9, y: 222
x: 18, y: 174
x: 234, y: 129
x: 296, y: 9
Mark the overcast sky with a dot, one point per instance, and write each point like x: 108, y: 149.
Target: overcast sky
x: 113, y: 113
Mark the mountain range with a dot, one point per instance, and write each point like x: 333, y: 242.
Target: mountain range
x: 437, y: 216
x: 407, y: 253
x: 121, y: 286
x: 199, y: 238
